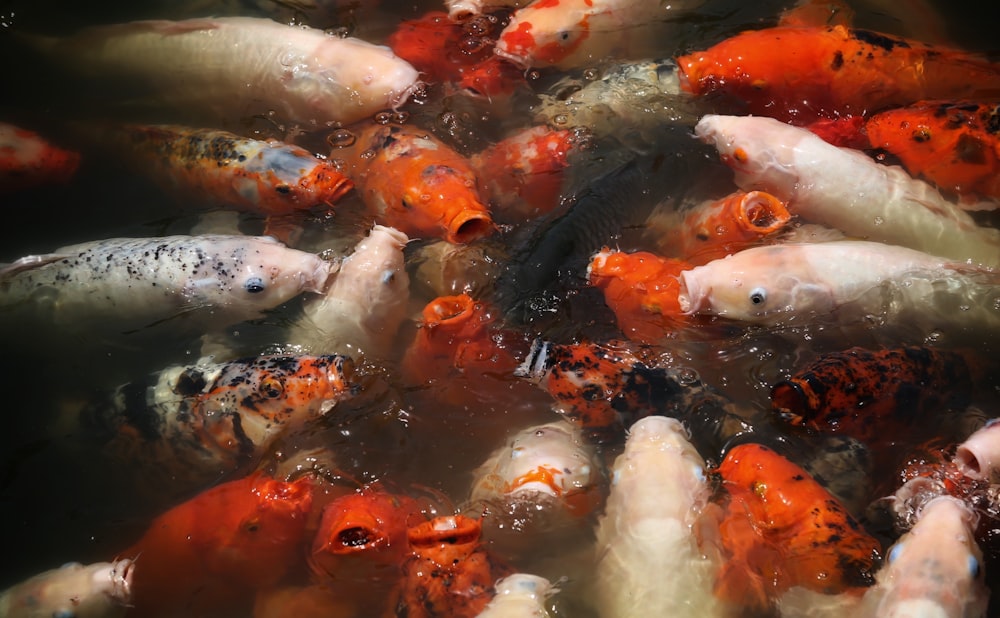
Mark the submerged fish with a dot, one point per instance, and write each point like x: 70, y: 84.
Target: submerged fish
x: 131, y: 283
x: 217, y: 66
x: 880, y: 202
x: 99, y: 590
x: 28, y: 160
x: 520, y: 595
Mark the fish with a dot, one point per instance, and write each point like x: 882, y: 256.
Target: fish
x: 867, y: 394
x: 782, y: 529
x: 573, y: 33
x: 189, y: 425
x: 520, y: 595
x: 978, y: 456
x: 98, y: 590
x: 263, y: 177
x: 446, y: 269
x: 658, y: 504
x: 881, y: 203
x: 414, y: 182
x: 804, y: 73
x: 209, y: 553
x: 936, y: 569
x: 134, y: 283
x: 464, y: 10
x: 836, y: 280
x: 215, y: 67
x: 951, y: 144
x: 642, y: 289
x: 28, y: 160
x: 364, y: 305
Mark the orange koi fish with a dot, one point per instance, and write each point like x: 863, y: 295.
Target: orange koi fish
x: 800, y: 74
x: 718, y: 228
x: 267, y: 177
x: 641, y: 288
x: 28, y: 160
x: 414, y: 182
x: 210, y: 553
x: 951, y: 144
x: 362, y: 537
x: 191, y: 423
x: 523, y: 172
x: 449, y: 573
x: 863, y: 393
x: 783, y: 529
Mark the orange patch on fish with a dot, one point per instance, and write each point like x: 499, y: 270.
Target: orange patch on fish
x: 27, y: 160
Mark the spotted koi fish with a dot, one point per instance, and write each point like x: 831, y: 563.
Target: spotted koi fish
x: 803, y: 73
x: 783, y: 529
x: 865, y: 393
x: 190, y: 424
x: 29, y: 160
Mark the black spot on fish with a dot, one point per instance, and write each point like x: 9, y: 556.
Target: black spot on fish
x: 879, y: 40
x: 838, y: 61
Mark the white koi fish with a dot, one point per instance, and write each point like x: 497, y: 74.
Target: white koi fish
x: 364, y: 306
x: 245, y: 65
x: 777, y: 283
x: 520, y: 596
x: 846, y: 189
x: 649, y: 529
x: 99, y: 590
x: 132, y: 283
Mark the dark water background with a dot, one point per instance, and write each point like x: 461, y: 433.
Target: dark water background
x: 59, y: 504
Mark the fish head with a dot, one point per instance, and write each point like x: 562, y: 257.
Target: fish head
x: 545, y: 33
x: 759, y: 150
x: 552, y: 459
x: 76, y: 589
x: 374, y: 275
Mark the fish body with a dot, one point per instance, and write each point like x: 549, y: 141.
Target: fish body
x: 193, y: 424
x: 266, y: 177
x: 411, y: 180
x: 935, y: 569
x: 211, y: 552
x: 29, y: 160
x: 364, y: 305
x: 808, y: 281
x: 802, y: 73
x: 131, y: 283
x: 880, y: 203
x: 951, y: 144
x: 520, y: 595
x: 248, y: 65
x: 659, y: 490
x: 99, y: 590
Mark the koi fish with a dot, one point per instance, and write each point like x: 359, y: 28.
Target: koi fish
x: 547, y: 465
x: 414, y: 182
x: 189, y: 424
x: 803, y: 73
x: 881, y: 203
x: 650, y: 526
x: 520, y: 595
x: 28, y: 160
x: 574, y: 33
x: 131, y: 283
x: 267, y: 177
x: 952, y: 145
x: 815, y: 280
x: 210, y: 553
x: 450, y: 572
x: 936, y: 569
x: 100, y: 590
x: 464, y: 10
x: 978, y: 457
x: 258, y: 66
x: 783, y: 529
x: 364, y: 305
x: 641, y: 288
x: 865, y: 393
x: 523, y: 173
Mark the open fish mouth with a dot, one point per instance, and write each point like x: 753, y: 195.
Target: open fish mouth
x: 522, y: 62
x: 121, y: 580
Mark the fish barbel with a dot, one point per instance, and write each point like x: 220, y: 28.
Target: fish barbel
x: 879, y: 202
x: 131, y: 283
x: 99, y: 590
x: 246, y: 65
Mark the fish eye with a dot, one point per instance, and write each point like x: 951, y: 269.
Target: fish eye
x: 894, y: 553
x: 758, y: 296
x: 973, y: 567
x: 271, y: 387
x: 564, y: 35
x: 388, y: 276
x: 252, y: 526
x: 254, y: 285
x: 283, y: 189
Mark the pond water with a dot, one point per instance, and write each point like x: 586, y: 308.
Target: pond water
x: 61, y: 501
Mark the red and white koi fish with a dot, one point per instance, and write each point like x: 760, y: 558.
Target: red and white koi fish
x: 881, y: 203
x: 256, y: 65
x: 100, y: 590
x: 28, y: 160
